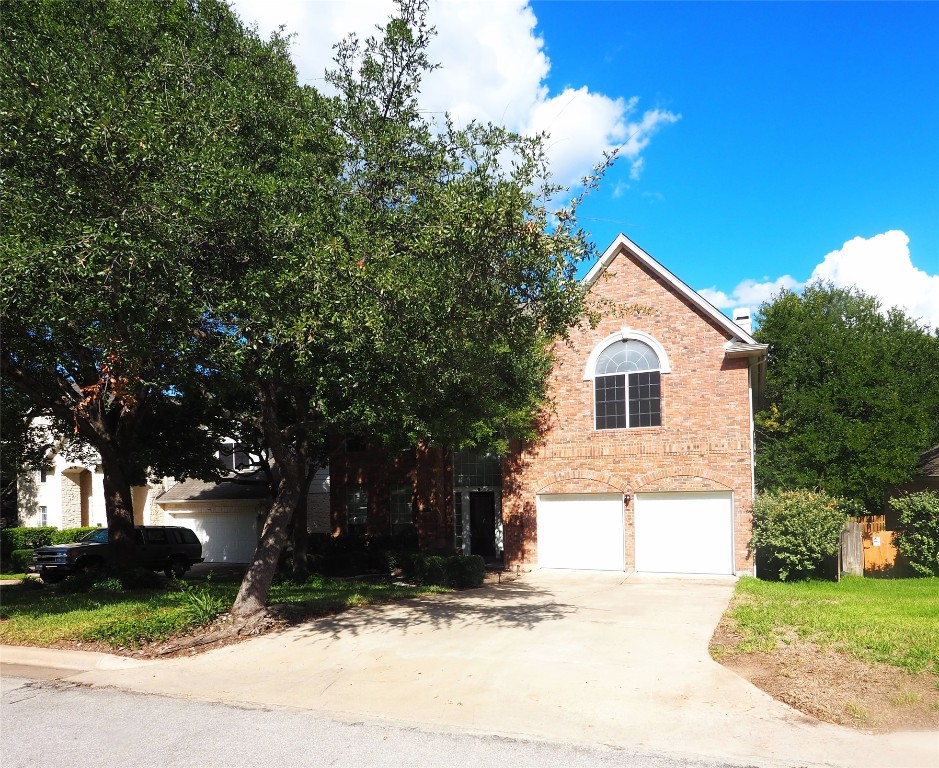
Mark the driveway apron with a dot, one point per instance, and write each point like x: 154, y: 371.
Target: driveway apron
x: 588, y: 657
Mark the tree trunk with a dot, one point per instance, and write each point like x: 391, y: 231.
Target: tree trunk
x: 119, y: 509
x: 252, y: 595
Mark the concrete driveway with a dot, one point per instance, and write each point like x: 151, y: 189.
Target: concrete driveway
x: 586, y: 657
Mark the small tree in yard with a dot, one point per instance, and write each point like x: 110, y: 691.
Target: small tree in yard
x: 917, y: 536
x: 797, y: 530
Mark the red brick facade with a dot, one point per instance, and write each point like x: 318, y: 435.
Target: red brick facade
x: 704, y: 442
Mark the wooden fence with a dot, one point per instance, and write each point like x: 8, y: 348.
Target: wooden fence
x: 867, y: 546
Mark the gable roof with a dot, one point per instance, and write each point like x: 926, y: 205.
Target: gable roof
x: 742, y: 343
x: 237, y: 486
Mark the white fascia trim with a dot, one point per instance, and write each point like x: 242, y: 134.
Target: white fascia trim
x: 590, y: 370
x: 622, y: 243
x: 734, y: 349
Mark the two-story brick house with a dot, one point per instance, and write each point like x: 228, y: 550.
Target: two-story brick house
x: 645, y: 460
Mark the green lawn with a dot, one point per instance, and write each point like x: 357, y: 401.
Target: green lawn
x: 890, y: 621
x: 33, y: 614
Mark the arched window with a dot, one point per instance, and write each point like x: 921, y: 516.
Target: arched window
x: 627, y: 385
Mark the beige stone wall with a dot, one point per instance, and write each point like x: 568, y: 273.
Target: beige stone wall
x: 704, y: 443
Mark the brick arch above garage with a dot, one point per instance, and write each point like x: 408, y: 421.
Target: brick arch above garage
x: 690, y: 479
x: 581, y: 481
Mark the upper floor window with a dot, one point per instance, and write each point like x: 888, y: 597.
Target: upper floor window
x: 627, y: 385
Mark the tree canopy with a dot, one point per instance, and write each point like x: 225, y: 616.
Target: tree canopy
x: 186, y: 223
x: 135, y: 139
x: 852, y: 394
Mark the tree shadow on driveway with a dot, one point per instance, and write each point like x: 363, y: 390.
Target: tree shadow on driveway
x: 510, y: 605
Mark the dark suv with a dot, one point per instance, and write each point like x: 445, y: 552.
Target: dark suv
x: 165, y: 548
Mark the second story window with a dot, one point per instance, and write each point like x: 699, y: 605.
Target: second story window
x: 627, y: 386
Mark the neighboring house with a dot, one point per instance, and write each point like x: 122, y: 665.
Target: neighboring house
x: 225, y: 515
x: 645, y: 460
x: 228, y: 515
x: 69, y: 493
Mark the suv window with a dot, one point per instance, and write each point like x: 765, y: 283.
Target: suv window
x: 156, y: 535
x: 138, y: 536
x: 188, y: 536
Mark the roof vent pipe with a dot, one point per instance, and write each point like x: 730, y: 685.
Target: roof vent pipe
x: 742, y: 318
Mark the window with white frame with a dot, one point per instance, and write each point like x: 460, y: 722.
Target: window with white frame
x: 402, y: 513
x: 627, y: 386
x: 43, y: 516
x: 356, y: 510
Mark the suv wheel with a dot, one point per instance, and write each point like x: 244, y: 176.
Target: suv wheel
x: 176, y: 567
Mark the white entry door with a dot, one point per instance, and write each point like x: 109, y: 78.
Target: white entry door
x: 685, y: 532
x: 581, y: 531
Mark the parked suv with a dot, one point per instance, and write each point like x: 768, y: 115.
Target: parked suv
x: 165, y: 548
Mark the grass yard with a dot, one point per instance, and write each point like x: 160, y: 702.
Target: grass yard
x: 33, y: 614
x: 861, y: 652
x: 886, y: 621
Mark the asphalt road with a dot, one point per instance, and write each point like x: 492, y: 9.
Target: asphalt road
x: 46, y: 721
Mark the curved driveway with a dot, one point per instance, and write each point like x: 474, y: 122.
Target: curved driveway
x: 586, y: 657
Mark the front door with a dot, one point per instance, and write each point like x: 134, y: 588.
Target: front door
x: 483, y: 523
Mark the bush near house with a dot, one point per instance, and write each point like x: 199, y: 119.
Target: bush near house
x: 21, y: 560
x: 13, y: 540
x: 917, y: 535
x: 795, y: 531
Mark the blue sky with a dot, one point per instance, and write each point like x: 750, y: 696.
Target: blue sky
x: 765, y: 143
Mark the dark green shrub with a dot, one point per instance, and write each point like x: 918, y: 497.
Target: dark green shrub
x: 24, y: 538
x: 21, y: 560
x: 465, y: 571
x: 70, y: 535
x: 430, y: 570
x: 917, y: 536
x: 795, y: 531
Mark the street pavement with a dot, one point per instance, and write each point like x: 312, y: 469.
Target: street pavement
x: 607, y: 660
x: 62, y: 724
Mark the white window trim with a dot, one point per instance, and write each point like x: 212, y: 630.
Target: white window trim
x: 624, y: 334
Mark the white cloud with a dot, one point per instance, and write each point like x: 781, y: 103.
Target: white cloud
x: 750, y: 293
x: 879, y: 266
x: 493, y: 68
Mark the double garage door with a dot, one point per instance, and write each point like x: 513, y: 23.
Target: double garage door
x: 227, y: 536
x: 675, y: 532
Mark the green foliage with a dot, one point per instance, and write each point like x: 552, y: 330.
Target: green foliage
x: 917, y: 536
x: 135, y: 139
x: 200, y: 606
x: 70, y: 535
x: 797, y: 530
x: 430, y: 570
x: 465, y: 571
x: 460, y: 571
x: 852, y: 396
x: 21, y: 560
x: 25, y: 538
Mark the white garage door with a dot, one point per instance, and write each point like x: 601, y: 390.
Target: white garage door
x: 685, y: 533
x: 227, y: 537
x: 582, y: 531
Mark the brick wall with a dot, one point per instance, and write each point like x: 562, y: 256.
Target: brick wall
x: 704, y: 442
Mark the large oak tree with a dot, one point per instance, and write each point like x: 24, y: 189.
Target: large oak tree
x: 852, y: 394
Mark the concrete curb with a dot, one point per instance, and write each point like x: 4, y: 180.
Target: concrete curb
x: 71, y: 661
